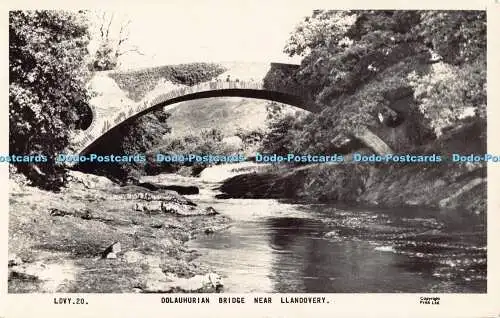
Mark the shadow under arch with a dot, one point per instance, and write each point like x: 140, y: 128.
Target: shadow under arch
x: 285, y: 98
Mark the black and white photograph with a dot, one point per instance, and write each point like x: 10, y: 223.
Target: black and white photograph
x: 302, y: 151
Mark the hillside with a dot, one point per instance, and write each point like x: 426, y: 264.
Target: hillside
x: 228, y: 114
x: 137, y: 83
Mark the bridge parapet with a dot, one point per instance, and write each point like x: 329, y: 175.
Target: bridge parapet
x: 202, y: 87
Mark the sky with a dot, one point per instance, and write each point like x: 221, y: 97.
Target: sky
x: 215, y: 31
x: 180, y: 31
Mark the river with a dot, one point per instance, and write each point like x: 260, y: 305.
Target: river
x: 286, y: 247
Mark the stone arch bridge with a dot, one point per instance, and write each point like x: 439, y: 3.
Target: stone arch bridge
x: 105, y: 121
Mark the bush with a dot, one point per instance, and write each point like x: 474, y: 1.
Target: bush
x: 279, y: 138
x: 47, y: 93
x: 105, y: 59
x: 207, y: 142
x: 458, y: 36
x: 446, y: 92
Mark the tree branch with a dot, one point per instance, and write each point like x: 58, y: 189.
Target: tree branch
x: 101, y: 28
x: 122, y: 37
x: 109, y: 26
x: 136, y: 50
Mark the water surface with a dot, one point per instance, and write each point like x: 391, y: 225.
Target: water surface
x: 290, y: 247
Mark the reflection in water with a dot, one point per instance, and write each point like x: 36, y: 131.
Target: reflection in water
x: 288, y: 238
x: 285, y: 231
x: 312, y: 264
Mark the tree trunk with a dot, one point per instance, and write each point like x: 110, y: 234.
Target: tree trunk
x: 372, y: 141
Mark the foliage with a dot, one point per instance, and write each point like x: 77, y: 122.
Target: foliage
x: 286, y: 134
x: 375, y: 42
x: 250, y: 136
x: 281, y: 78
x: 105, y: 58
x: 139, y: 82
x: 278, y: 139
x: 208, y: 141
x: 274, y: 110
x: 137, y: 137
x: 356, y: 62
x: 111, y: 34
x: 445, y: 93
x: 47, y: 94
x: 458, y: 36
x: 341, y: 183
x: 320, y: 30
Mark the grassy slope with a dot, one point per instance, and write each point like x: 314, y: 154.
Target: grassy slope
x: 224, y: 113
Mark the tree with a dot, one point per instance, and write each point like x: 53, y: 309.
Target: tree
x: 113, y: 41
x: 354, y: 61
x: 457, y: 36
x: 274, y: 110
x: 47, y: 50
x: 323, y: 29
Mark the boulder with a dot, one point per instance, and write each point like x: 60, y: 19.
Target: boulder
x: 112, y: 250
x: 14, y: 260
x: 51, y: 276
x: 332, y: 234
x: 209, y: 230
x: 172, y: 207
x: 90, y: 181
x: 133, y: 192
x: 184, y: 190
x: 133, y: 257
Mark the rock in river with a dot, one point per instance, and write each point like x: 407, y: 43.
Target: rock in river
x: 173, y: 207
x: 184, y: 190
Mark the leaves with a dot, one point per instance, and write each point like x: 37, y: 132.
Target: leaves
x: 458, y: 36
x: 46, y: 54
x: 448, y: 91
x: 322, y: 29
x: 355, y: 60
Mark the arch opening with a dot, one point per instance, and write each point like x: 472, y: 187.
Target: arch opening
x: 284, y: 98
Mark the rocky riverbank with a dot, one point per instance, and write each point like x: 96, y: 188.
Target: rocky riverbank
x: 434, y: 185
x: 95, y: 236
x: 449, y: 186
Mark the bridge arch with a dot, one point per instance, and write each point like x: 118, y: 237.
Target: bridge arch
x: 248, y: 89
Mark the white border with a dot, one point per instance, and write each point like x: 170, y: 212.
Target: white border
x: 344, y: 305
